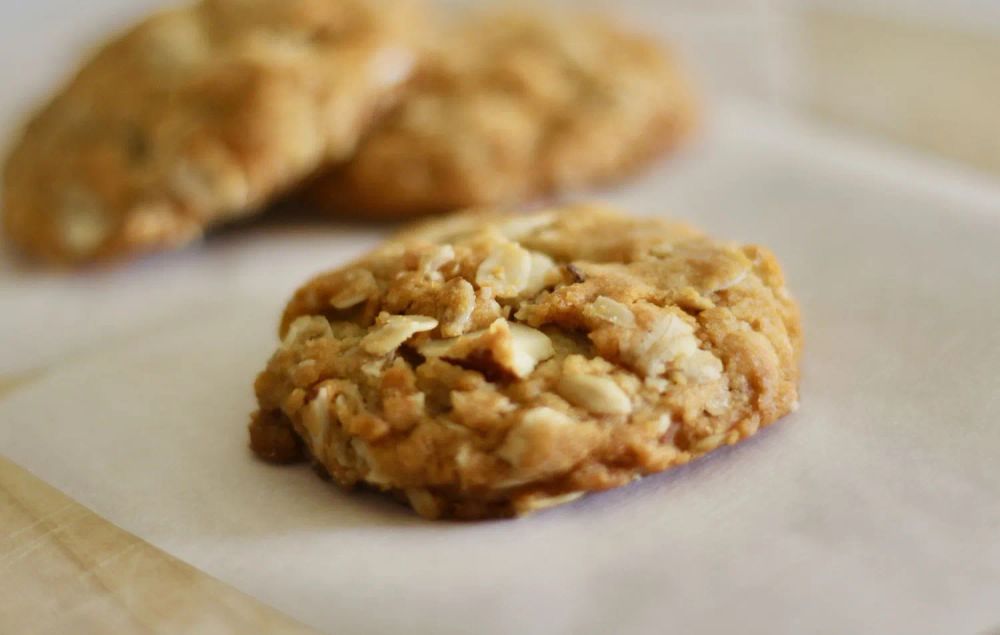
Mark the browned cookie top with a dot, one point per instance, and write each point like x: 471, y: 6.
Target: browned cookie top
x: 197, y: 115
x: 508, y: 106
x: 484, y: 365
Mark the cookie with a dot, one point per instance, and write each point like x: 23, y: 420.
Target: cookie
x: 510, y: 106
x: 200, y: 115
x: 486, y: 365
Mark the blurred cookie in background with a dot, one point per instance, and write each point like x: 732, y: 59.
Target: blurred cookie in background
x: 513, y: 105
x: 199, y: 115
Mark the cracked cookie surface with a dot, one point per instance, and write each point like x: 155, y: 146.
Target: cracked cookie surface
x: 485, y: 365
x: 198, y: 115
x: 513, y: 105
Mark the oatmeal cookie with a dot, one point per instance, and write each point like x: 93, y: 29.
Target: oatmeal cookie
x: 513, y: 105
x: 486, y: 365
x: 198, y: 115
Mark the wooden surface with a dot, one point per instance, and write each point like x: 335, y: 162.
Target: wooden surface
x: 65, y: 570
x: 926, y: 85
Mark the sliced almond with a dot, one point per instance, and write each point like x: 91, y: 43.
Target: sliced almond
x: 544, y: 273
x: 374, y: 474
x: 359, y: 285
x: 458, y: 313
x: 515, y: 349
x: 433, y: 260
x: 600, y: 395
x: 537, y: 503
x: 423, y: 502
x: 604, y: 308
x: 543, y: 443
x: 316, y: 420
x: 732, y: 282
x: 521, y: 226
x: 701, y: 367
x: 718, y: 403
x: 668, y: 339
x: 709, y: 443
x: 395, y: 330
x: 306, y: 327
x: 539, y: 426
x: 506, y: 270
x: 530, y: 346
x: 440, y: 348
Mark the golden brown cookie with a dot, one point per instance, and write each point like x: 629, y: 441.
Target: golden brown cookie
x: 483, y: 365
x: 199, y: 115
x: 510, y: 106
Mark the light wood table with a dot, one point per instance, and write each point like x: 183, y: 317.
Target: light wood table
x: 929, y: 86
x: 63, y: 569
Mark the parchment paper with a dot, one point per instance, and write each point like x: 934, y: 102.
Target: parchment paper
x: 874, y: 509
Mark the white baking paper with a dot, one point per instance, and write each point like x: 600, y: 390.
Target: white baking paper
x: 874, y: 509
x: 49, y: 315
